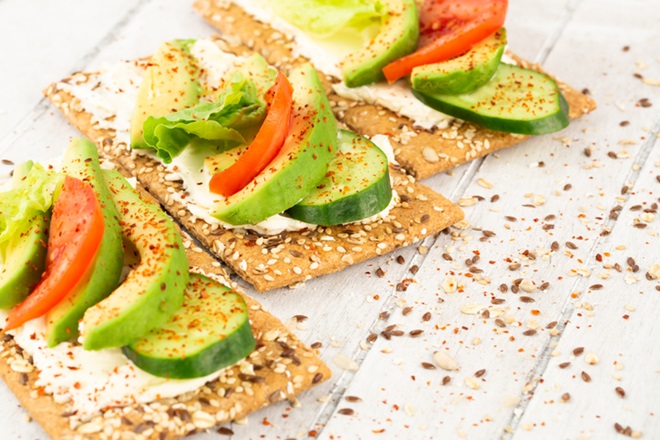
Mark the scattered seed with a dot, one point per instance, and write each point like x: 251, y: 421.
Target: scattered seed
x: 400, y: 259
x: 624, y: 123
x: 612, y: 155
x: 415, y: 333
x: 571, y: 245
x: 406, y: 311
x: 426, y: 316
x: 503, y: 288
x: 578, y: 351
x: 585, y: 376
x: 566, y: 397
x: 445, y: 361
x: 554, y: 246
x: 564, y: 365
x: 587, y: 152
x: 380, y: 273
x: 300, y: 318
x: 446, y: 380
x: 372, y: 338
x: 346, y: 412
x: 383, y: 315
x: 530, y: 332
x: 620, y: 392
x: 497, y: 301
x: 316, y: 345
x: 480, y: 373
x: 500, y: 323
x: 514, y: 266
x: 353, y: 399
x: 414, y: 269
x: 225, y: 431
x: 567, y: 187
x: 527, y: 299
x: 447, y: 257
x: 495, y: 198
x: 596, y: 286
x: 317, y: 378
x: 551, y: 325
x: 544, y: 286
x: 428, y: 366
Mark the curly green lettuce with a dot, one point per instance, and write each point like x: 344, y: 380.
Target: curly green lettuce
x: 225, y: 123
x: 326, y: 18
x: 32, y: 194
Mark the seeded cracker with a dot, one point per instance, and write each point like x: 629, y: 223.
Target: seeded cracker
x: 422, y: 153
x: 283, y: 367
x: 288, y: 258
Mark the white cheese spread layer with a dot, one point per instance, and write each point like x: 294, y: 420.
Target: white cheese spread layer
x: 110, y: 96
x: 89, y: 381
x: 327, y: 54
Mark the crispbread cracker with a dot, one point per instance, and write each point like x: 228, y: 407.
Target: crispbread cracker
x: 445, y: 148
x: 283, y: 367
x: 288, y: 258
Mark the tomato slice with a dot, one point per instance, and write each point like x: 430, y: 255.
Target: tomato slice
x: 76, y: 231
x: 266, y: 144
x: 449, y: 28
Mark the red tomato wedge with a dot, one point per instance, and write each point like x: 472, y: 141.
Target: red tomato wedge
x: 266, y: 144
x: 76, y: 231
x: 449, y: 28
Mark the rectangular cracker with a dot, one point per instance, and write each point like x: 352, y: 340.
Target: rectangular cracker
x: 283, y: 367
x: 288, y: 258
x: 461, y: 142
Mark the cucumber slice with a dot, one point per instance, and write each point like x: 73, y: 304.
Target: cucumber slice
x: 209, y: 332
x: 356, y: 186
x: 464, y: 73
x: 516, y: 100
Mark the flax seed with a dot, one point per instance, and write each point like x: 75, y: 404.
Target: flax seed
x: 578, y: 351
x: 585, y: 376
x: 426, y: 316
x: 346, y: 412
x: 428, y: 366
x: 564, y: 365
x: 530, y: 332
x: 620, y: 392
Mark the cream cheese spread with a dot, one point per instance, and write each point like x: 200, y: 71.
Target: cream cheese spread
x: 89, y: 381
x: 110, y: 97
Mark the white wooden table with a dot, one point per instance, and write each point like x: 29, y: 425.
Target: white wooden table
x: 510, y: 382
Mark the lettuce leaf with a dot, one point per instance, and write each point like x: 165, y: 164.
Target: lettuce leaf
x: 328, y: 17
x: 29, y: 197
x: 225, y: 123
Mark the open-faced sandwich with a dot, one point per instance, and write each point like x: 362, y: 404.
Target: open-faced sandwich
x: 251, y: 160
x: 116, y: 326
x: 434, y: 75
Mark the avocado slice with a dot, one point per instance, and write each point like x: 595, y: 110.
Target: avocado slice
x: 301, y: 163
x: 24, y: 259
x: 154, y: 289
x: 81, y: 160
x: 398, y: 37
x: 464, y: 73
x: 221, y: 161
x: 170, y: 83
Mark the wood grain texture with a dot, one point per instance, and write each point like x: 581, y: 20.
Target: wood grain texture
x: 519, y: 395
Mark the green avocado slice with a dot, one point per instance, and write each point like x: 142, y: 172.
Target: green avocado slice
x: 464, y: 73
x: 210, y: 331
x: 81, y: 160
x: 170, y: 83
x: 397, y: 38
x: 153, y: 290
x: 301, y: 163
x: 24, y: 259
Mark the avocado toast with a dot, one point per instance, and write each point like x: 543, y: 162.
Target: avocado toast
x: 270, y: 261
x: 421, y: 152
x: 279, y: 368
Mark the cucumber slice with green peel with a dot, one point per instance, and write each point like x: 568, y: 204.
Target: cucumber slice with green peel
x: 210, y: 331
x: 356, y: 186
x: 515, y: 100
x: 24, y: 258
x: 464, y: 73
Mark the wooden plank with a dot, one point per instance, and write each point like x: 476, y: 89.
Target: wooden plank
x: 544, y: 167
x: 43, y: 41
